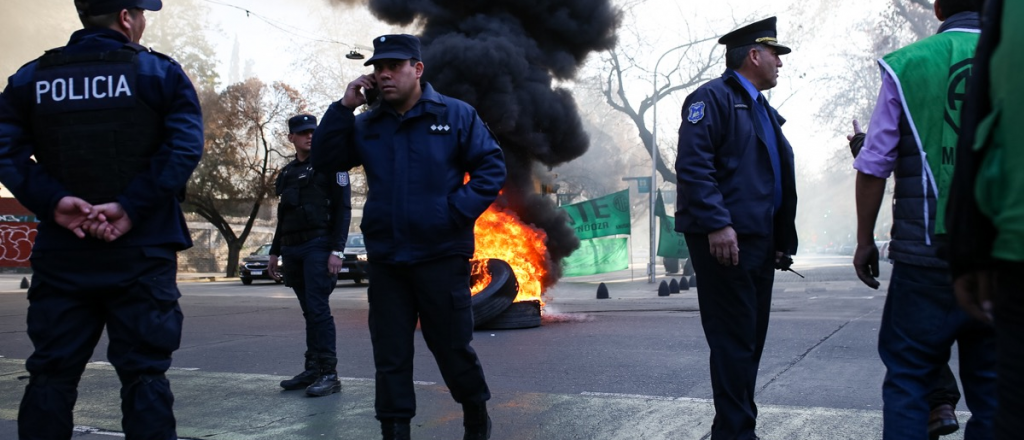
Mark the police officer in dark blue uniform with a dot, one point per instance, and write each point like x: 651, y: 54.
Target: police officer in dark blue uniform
x: 98, y: 139
x: 416, y: 146
x: 313, y: 217
x: 737, y: 207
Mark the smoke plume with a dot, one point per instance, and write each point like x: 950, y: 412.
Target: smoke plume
x: 502, y: 57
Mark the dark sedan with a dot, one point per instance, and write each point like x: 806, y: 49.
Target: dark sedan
x: 254, y: 267
x: 356, y: 267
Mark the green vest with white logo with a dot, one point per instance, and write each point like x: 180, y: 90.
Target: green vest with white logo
x: 932, y: 79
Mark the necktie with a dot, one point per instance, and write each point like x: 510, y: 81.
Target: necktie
x: 768, y: 130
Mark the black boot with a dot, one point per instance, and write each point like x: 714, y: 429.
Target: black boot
x: 327, y: 382
x: 395, y: 429
x: 476, y: 421
x: 305, y: 378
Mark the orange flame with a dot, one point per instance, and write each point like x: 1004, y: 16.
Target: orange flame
x: 501, y: 234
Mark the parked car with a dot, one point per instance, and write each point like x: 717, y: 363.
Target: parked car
x: 254, y: 267
x: 356, y: 266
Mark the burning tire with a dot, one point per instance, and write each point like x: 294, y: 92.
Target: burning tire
x: 498, y: 295
x: 525, y: 314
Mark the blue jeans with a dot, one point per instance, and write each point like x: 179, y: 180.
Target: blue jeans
x: 305, y: 271
x: 920, y: 323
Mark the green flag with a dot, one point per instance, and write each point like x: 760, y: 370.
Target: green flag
x: 671, y: 244
x: 597, y: 256
x: 601, y: 217
x: 659, y: 206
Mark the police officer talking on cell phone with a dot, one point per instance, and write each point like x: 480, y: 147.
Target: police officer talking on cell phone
x: 98, y: 139
x: 417, y: 146
x: 313, y: 217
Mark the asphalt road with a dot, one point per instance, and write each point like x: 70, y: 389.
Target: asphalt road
x: 630, y: 367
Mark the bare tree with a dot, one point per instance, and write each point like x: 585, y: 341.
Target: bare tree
x: 245, y: 150
x: 179, y: 30
x: 695, y: 64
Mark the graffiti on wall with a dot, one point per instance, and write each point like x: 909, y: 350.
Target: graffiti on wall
x: 16, y: 243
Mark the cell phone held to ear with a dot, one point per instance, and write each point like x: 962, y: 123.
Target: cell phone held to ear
x: 371, y: 94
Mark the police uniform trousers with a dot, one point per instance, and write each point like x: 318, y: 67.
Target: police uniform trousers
x: 132, y: 292
x: 734, y: 306
x: 437, y: 292
x: 305, y: 271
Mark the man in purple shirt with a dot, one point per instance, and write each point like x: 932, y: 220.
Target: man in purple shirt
x: 913, y: 134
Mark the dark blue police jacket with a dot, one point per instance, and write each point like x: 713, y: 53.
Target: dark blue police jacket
x: 151, y: 198
x: 724, y: 172
x: 418, y: 208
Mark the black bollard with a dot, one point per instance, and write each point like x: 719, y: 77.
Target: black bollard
x: 602, y: 291
x: 693, y: 281
x: 684, y: 284
x: 663, y: 289
x: 673, y: 286
x: 24, y: 283
x: 688, y: 268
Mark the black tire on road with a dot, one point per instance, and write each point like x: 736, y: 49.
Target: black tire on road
x: 524, y: 314
x: 247, y: 281
x: 498, y: 295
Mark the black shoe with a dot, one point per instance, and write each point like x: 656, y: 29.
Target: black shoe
x: 476, y: 421
x: 942, y: 421
x: 324, y: 386
x: 305, y: 378
x: 395, y: 429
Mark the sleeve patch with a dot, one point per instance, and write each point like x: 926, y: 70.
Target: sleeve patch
x: 342, y: 178
x: 696, y: 112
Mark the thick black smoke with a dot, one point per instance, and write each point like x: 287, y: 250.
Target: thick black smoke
x: 502, y: 56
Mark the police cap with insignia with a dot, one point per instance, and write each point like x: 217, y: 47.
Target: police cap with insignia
x: 101, y: 7
x: 761, y: 32
x: 395, y: 47
x: 301, y: 123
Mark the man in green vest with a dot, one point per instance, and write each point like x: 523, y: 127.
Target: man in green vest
x: 913, y: 133
x: 986, y: 208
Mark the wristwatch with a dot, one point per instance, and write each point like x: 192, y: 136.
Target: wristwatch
x: 338, y: 254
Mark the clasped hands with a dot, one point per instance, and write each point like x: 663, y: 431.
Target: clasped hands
x: 107, y: 221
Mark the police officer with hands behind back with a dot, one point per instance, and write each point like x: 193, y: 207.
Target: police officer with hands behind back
x: 115, y: 131
x: 737, y: 208
x: 313, y: 217
x: 416, y: 146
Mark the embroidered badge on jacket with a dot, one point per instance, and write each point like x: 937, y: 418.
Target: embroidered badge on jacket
x: 342, y: 178
x: 440, y: 129
x: 696, y: 112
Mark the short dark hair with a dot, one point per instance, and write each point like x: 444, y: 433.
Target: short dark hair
x: 950, y: 7
x: 735, y: 57
x: 99, y: 21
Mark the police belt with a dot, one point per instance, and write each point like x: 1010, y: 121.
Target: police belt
x: 297, y: 238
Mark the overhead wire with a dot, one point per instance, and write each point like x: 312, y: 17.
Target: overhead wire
x: 288, y: 29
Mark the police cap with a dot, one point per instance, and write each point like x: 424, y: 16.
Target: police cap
x: 101, y: 7
x: 395, y: 47
x: 301, y: 123
x: 761, y: 32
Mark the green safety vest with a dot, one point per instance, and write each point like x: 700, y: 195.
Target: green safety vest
x: 931, y: 75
